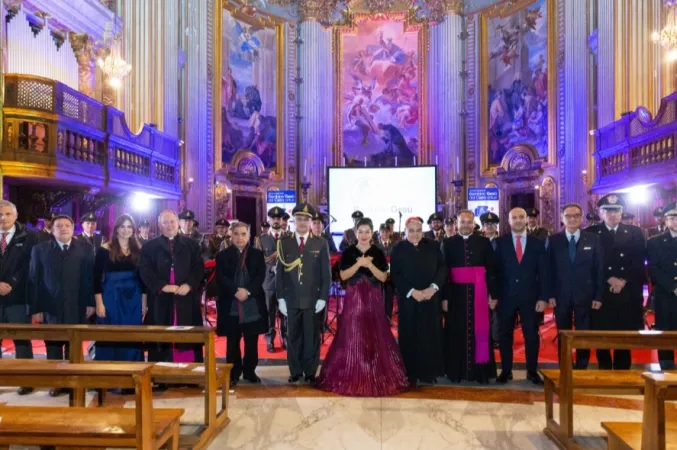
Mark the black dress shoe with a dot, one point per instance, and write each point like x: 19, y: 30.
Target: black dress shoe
x: 504, y: 377
x: 252, y: 378
x: 160, y: 387
x: 57, y: 392
x: 310, y: 379
x: 233, y: 382
x: 24, y: 390
x: 534, y: 377
x: 284, y: 344
x: 294, y: 379
x: 428, y: 380
x: 270, y: 348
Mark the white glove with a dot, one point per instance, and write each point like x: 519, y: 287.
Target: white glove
x: 282, y: 306
x: 319, y: 306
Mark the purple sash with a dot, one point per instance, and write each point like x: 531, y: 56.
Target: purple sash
x: 476, y: 276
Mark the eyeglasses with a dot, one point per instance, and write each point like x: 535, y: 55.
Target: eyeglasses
x: 573, y: 216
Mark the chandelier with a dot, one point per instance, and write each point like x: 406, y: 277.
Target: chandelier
x: 667, y: 37
x: 113, y: 66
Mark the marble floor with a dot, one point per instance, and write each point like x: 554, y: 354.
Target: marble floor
x: 465, y: 417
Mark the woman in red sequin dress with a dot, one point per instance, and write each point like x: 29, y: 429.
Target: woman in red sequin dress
x: 364, y: 359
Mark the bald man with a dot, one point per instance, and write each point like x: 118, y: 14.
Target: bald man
x: 523, y: 280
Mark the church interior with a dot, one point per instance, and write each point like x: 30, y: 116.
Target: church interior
x: 407, y: 111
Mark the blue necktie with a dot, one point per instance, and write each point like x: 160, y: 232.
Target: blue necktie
x: 572, y: 248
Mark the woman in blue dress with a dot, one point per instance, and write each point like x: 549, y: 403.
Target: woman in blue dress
x: 118, y: 290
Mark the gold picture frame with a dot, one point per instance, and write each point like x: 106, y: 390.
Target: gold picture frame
x: 505, y: 10
x: 241, y: 12
x: 424, y: 149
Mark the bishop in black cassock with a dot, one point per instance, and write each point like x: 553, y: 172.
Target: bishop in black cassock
x: 467, y: 328
x: 417, y: 269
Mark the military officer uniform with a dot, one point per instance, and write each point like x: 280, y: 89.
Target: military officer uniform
x: 95, y: 240
x: 432, y: 234
x: 46, y: 233
x: 349, y: 236
x: 143, y: 224
x: 194, y: 235
x: 593, y: 219
x: 660, y: 227
x: 268, y: 244
x: 212, y: 246
x: 624, y: 252
x: 628, y: 218
x: 662, y: 252
x: 537, y: 232
x: 491, y: 218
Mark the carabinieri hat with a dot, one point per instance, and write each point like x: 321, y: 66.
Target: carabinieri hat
x: 187, y: 215
x: 390, y: 221
x: 531, y: 212
x: 144, y: 223
x: 627, y: 216
x: 592, y: 217
x: 265, y: 224
x: 286, y: 216
x: 357, y: 215
x: 435, y: 216
x: 670, y: 210
x: 489, y: 217
x: 658, y: 212
x: 450, y: 220
x: 89, y: 217
x: 611, y: 201
x: 276, y: 212
x: 222, y: 223
x: 303, y: 209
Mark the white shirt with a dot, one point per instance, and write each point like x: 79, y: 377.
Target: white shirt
x: 465, y: 236
x: 89, y: 236
x: 611, y: 229
x: 523, y: 237
x: 61, y: 244
x: 10, y: 234
x: 305, y: 238
x: 673, y: 234
x: 576, y: 235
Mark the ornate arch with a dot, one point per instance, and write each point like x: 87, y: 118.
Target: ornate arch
x: 247, y: 163
x: 520, y: 157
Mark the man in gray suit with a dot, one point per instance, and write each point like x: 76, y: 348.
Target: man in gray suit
x: 268, y: 244
x: 302, y: 282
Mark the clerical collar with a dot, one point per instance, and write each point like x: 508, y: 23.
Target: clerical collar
x: 465, y: 236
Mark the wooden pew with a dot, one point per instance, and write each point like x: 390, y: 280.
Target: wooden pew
x: 214, y: 420
x: 140, y: 428
x: 564, y: 381
x: 652, y: 433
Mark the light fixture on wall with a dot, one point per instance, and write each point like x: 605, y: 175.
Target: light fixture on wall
x: 667, y: 37
x: 113, y: 66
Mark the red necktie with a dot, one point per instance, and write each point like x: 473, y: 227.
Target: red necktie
x: 276, y: 236
x: 518, y: 248
x: 302, y: 244
x: 3, y: 243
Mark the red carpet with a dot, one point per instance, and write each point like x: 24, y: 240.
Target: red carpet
x: 548, y: 349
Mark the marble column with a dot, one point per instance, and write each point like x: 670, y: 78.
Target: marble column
x: 606, y: 64
x: 576, y: 126
x: 445, y: 100
x: 315, y: 96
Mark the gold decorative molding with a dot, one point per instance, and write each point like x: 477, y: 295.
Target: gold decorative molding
x: 316, y: 10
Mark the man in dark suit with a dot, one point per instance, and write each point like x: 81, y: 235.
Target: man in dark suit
x: 144, y: 229
x: 61, y: 289
x: 89, y: 235
x: 349, y: 236
x: 592, y: 220
x: 241, y: 305
x: 46, y: 233
x: 577, y: 273
x: 627, y: 218
x: 624, y: 252
x: 16, y: 244
x: 660, y: 223
x: 172, y: 269
x: 489, y: 223
x: 523, y: 268
x: 435, y: 233
x: 285, y: 225
x: 386, y: 244
x: 302, y: 279
x: 533, y: 229
x: 662, y: 251
x: 318, y: 227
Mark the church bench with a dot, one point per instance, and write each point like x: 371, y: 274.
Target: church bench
x: 653, y: 433
x: 564, y: 381
x: 77, y: 334
x: 85, y: 427
x: 140, y: 427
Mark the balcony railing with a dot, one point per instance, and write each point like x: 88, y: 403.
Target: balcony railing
x: 637, y: 148
x: 53, y: 131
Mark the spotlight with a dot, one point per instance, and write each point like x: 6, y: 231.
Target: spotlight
x: 637, y: 194
x: 141, y: 202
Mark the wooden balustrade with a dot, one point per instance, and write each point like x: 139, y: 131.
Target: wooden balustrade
x: 53, y: 131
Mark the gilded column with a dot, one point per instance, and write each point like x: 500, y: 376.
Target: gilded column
x: 315, y: 94
x: 445, y: 98
x: 84, y: 52
x: 606, y: 73
x: 576, y: 100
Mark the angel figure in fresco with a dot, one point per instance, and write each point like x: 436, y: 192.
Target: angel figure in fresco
x: 532, y: 17
x: 358, y: 116
x: 361, y: 62
x: 359, y: 88
x: 506, y: 51
x: 249, y: 44
x: 387, y: 50
x: 540, y: 83
x: 229, y: 91
x: 497, y: 111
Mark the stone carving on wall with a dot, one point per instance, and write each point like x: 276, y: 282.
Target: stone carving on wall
x: 223, y: 196
x: 248, y: 164
x: 548, y: 191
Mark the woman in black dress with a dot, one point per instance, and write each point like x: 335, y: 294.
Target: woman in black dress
x: 118, y: 290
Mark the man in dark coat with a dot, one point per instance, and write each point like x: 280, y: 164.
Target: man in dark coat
x: 660, y: 223
x: 61, y: 289
x: 349, y: 236
x: 418, y: 271
x: 533, y: 229
x: 144, y: 229
x: 89, y: 235
x: 188, y: 228
x: 592, y: 219
x: 466, y: 303
x: 435, y: 233
x: 46, y: 233
x: 450, y: 227
x: 662, y: 250
x: 16, y: 244
x: 302, y: 279
x: 212, y: 246
x: 624, y: 252
x: 241, y: 304
x: 386, y: 243
x: 523, y: 268
x: 577, y: 273
x: 627, y: 218
x: 172, y: 269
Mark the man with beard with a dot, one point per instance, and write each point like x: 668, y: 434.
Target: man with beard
x: 317, y: 227
x: 349, y: 237
x: 524, y: 284
x: 268, y: 244
x: 471, y: 292
x: 213, y: 244
x: 418, y: 271
x: 624, y: 251
x: 435, y: 223
x: 660, y: 223
x: 450, y: 227
x: 662, y: 251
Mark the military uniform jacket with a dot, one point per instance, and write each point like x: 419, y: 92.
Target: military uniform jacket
x: 430, y: 235
x: 268, y: 247
x: 539, y: 232
x: 624, y: 254
x: 14, y: 264
x: 96, y: 240
x: 655, y: 231
x: 308, y: 281
x: 662, y: 250
x: 212, y: 246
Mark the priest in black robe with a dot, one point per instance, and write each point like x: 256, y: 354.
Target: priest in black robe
x: 171, y: 267
x: 472, y: 282
x: 418, y: 271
